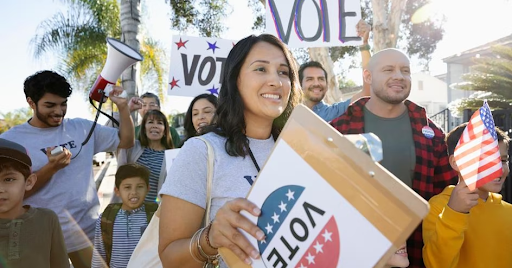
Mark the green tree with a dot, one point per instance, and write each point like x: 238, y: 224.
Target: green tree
x: 392, y: 22
x: 79, y: 38
x: 490, y: 79
x: 14, y: 118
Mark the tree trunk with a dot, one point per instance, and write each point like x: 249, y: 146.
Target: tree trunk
x: 321, y: 54
x: 386, y: 24
x: 130, y: 34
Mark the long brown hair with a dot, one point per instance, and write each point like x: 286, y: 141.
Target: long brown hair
x: 230, y: 121
x: 166, y: 139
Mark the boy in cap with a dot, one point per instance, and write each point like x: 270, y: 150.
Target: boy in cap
x: 29, y: 237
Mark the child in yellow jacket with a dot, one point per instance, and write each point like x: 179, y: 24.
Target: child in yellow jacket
x: 469, y: 228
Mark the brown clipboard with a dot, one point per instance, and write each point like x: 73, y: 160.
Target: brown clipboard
x: 390, y: 205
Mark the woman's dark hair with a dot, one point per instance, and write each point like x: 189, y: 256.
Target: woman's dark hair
x: 166, y: 139
x: 230, y: 121
x: 43, y: 82
x: 190, y: 130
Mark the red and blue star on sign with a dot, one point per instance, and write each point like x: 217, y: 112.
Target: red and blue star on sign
x: 323, y: 251
x: 211, y: 46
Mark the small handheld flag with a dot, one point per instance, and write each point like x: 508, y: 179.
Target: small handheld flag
x: 477, y: 153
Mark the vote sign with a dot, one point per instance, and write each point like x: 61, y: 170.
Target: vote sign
x: 325, y: 203
x: 314, y: 23
x: 197, y: 64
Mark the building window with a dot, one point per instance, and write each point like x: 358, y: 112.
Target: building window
x: 420, y: 85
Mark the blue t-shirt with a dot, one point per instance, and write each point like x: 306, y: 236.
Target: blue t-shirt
x: 330, y: 112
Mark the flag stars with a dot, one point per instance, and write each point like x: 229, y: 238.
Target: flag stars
x: 327, y: 235
x: 310, y: 258
x: 318, y: 247
x: 269, y: 228
x: 290, y: 195
x: 275, y: 217
x: 282, y: 206
x: 302, y: 266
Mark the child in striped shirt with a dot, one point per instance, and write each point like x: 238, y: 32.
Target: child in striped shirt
x: 121, y: 225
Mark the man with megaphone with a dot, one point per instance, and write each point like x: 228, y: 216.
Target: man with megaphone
x: 62, y: 157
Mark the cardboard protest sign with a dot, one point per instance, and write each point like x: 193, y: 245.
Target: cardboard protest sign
x: 197, y: 64
x: 326, y: 203
x: 316, y: 23
x: 170, y: 155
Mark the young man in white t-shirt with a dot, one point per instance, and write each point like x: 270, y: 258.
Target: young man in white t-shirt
x: 65, y: 181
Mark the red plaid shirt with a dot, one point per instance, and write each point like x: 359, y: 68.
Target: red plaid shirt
x: 432, y: 172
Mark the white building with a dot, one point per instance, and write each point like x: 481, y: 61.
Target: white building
x: 460, y: 64
x: 429, y: 92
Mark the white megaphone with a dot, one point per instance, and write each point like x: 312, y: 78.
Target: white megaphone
x: 119, y: 57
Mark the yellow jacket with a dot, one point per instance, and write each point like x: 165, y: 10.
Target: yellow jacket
x: 480, y: 239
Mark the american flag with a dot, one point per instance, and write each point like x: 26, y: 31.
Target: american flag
x: 477, y: 153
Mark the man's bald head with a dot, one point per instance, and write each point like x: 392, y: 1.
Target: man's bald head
x: 389, y: 76
x: 385, y: 55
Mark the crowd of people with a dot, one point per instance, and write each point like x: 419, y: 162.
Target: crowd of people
x: 49, y: 205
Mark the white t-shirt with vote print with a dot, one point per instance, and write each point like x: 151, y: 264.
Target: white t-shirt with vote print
x: 71, y: 192
x: 232, y: 176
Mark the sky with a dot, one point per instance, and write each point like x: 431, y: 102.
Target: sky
x: 469, y: 23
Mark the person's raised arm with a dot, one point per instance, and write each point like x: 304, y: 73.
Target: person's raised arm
x: 363, y: 31
x: 126, y: 128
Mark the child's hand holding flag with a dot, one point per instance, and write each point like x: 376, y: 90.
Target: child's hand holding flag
x: 477, y: 154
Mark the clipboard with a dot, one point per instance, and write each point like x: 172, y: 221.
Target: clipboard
x: 372, y: 210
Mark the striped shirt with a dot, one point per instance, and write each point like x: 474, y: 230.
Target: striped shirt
x: 153, y: 160
x: 128, y: 228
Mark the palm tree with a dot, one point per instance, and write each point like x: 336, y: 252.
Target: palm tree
x: 491, y: 79
x: 14, y: 118
x: 80, y: 38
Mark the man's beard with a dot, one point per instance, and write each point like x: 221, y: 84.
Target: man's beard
x: 46, y: 119
x: 397, y: 99
x: 314, y: 98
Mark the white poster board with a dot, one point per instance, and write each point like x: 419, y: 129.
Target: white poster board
x: 326, y: 203
x: 308, y: 219
x: 197, y: 64
x: 315, y: 23
x: 170, y: 155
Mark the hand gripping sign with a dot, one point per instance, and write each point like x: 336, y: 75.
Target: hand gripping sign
x: 326, y: 203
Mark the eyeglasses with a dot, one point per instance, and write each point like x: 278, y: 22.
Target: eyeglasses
x: 150, y: 105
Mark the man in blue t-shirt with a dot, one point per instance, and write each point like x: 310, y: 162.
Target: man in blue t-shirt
x: 313, y: 80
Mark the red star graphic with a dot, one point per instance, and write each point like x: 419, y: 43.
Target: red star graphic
x: 181, y: 44
x: 174, y: 83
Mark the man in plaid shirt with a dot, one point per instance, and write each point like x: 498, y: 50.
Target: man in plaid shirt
x: 413, y: 146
